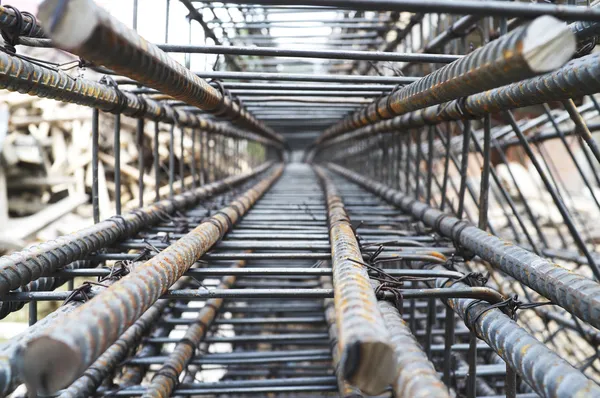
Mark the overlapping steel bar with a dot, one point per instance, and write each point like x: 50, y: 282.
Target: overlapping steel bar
x: 17, y: 74
x: 366, y: 357
x: 502, y: 61
x: 273, y: 319
x: 130, y: 54
x: 20, y: 268
x: 575, y: 293
x: 576, y: 78
x: 166, y: 379
x: 88, y: 339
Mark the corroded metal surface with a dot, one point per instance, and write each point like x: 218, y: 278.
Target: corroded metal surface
x: 29, y: 25
x: 11, y: 353
x: 576, y: 78
x: 97, y: 324
x: 109, y: 42
x: 346, y: 390
x: 417, y: 376
x: 575, y: 293
x: 163, y: 383
x: 547, y: 373
x: 498, y: 63
x: 367, y: 357
x: 20, y: 268
x: 17, y: 74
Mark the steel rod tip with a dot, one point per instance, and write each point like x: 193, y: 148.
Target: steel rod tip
x: 68, y: 24
x: 548, y: 44
x: 48, y: 365
x: 370, y: 366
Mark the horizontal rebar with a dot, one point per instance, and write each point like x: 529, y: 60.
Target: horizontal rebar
x: 25, y: 266
x: 540, y: 46
x: 97, y: 324
x: 106, y: 41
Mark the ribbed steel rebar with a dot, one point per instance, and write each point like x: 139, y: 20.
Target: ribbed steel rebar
x: 17, y: 74
x: 92, y: 378
x: 417, y: 377
x: 163, y: 382
x: 345, y: 390
x: 29, y: 25
x: 59, y: 356
x: 89, y: 31
x: 11, y: 352
x: 577, y: 78
x: 540, y: 46
x: 575, y: 293
x: 367, y: 357
x: 42, y: 284
x: 20, y: 268
x: 547, y: 373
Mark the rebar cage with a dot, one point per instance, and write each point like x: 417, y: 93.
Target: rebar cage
x: 334, y: 198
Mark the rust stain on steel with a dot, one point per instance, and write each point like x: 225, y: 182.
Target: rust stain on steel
x: 60, y: 355
x: 20, y: 75
x: 112, y: 44
x: 575, y: 293
x: 163, y: 382
x: 20, y: 268
x: 345, y: 390
x: 367, y: 357
x: 498, y: 63
x: 417, y: 377
x: 576, y: 78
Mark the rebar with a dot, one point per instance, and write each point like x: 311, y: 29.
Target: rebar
x: 105, y: 40
x: 366, y: 357
x: 20, y: 268
x: 543, y: 45
x: 93, y: 329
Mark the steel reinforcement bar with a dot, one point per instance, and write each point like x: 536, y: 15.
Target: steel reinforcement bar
x: 542, y: 369
x: 17, y: 74
x: 575, y: 293
x: 20, y: 268
x: 28, y: 26
x: 576, y: 78
x: 165, y: 380
x: 417, y: 377
x: 82, y: 27
x: 367, y: 358
x: 543, y: 45
x: 345, y: 390
x: 56, y: 358
x: 10, y: 354
x: 114, y: 356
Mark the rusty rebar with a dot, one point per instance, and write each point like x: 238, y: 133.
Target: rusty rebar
x: 367, y: 357
x: 575, y: 293
x: 345, y: 390
x: 540, y: 46
x: 163, y: 382
x: 27, y: 26
x: 417, y: 377
x: 12, y: 351
x: 17, y: 74
x: 105, y: 40
x: 576, y: 78
x: 20, y: 268
x: 61, y: 354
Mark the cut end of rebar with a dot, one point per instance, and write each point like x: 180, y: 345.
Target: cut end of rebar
x: 548, y: 44
x: 369, y: 366
x: 48, y: 365
x: 69, y: 23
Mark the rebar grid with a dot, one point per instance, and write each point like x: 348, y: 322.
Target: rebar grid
x: 452, y: 159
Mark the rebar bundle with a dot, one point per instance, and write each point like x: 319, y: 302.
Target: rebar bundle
x: 338, y: 198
